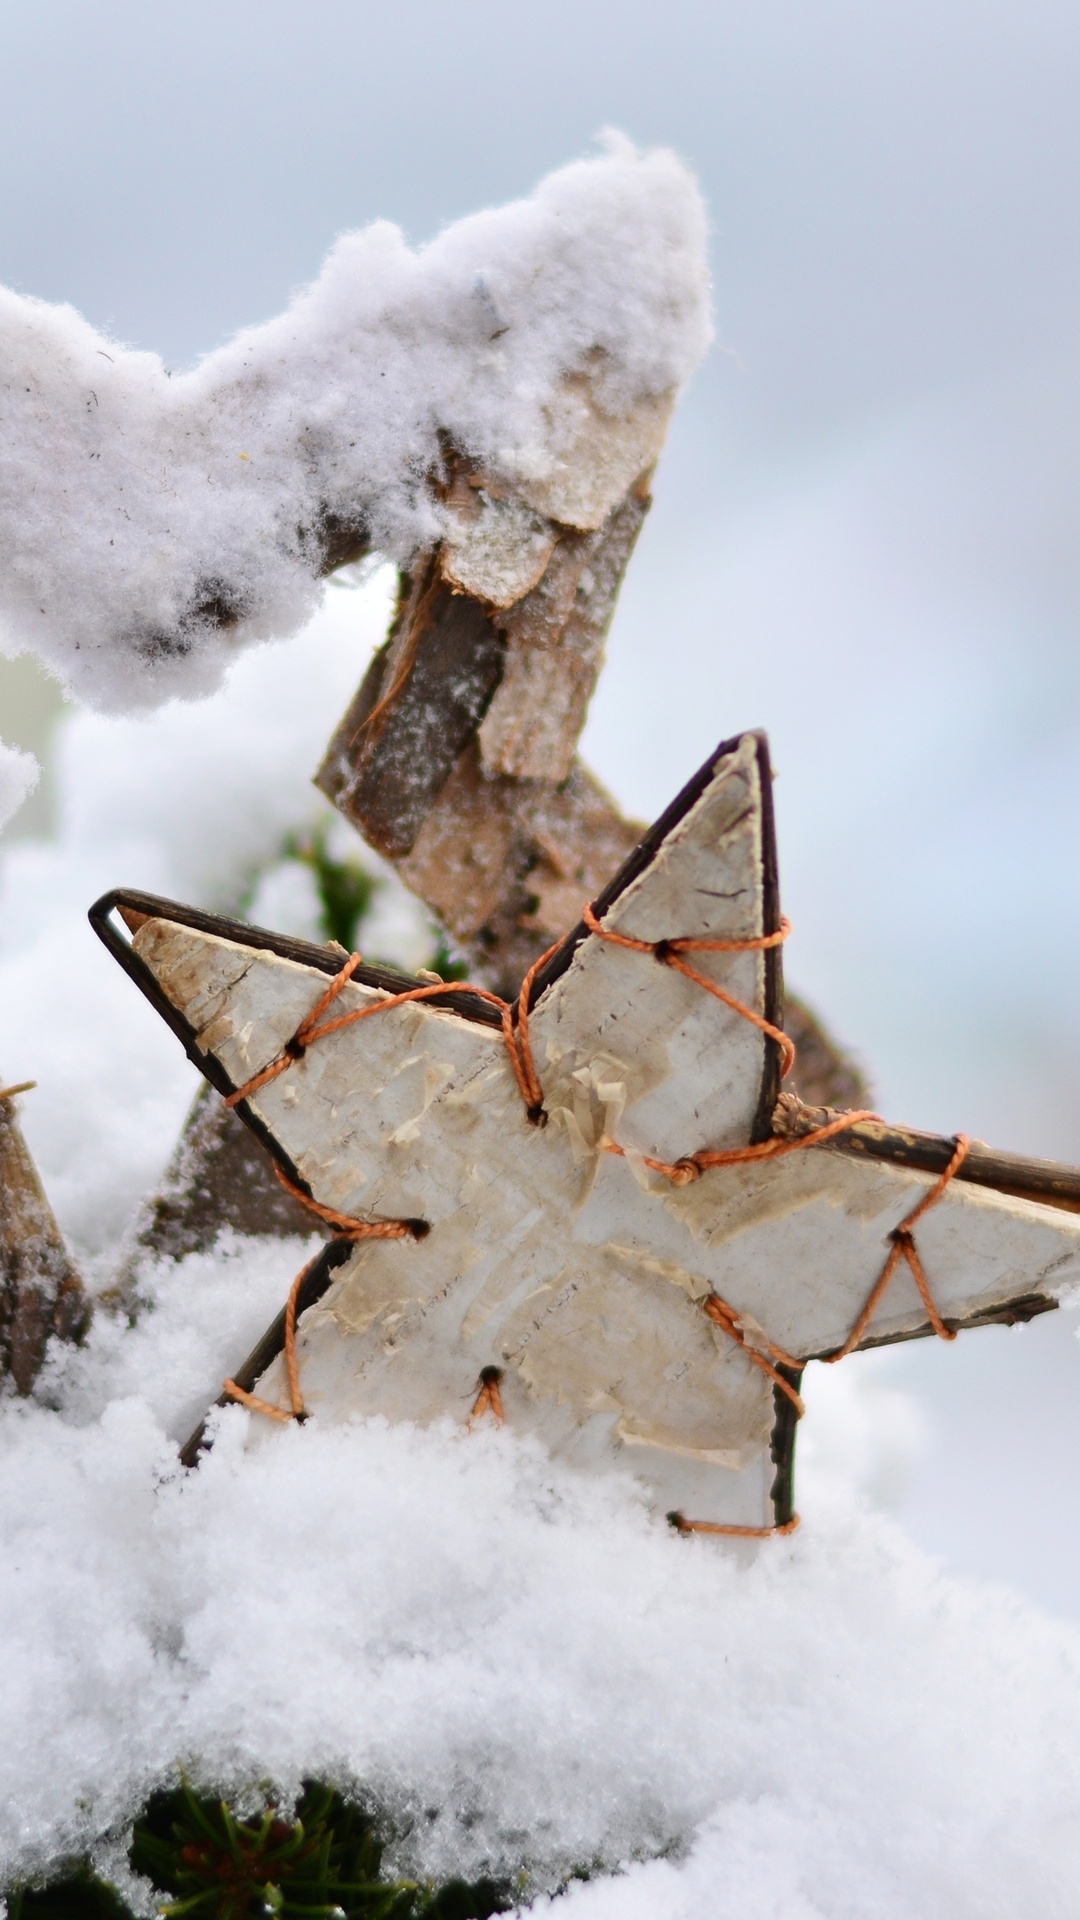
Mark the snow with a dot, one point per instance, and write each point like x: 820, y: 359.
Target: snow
x: 152, y: 523
x: 19, y: 775
x: 520, y: 1663
x: 527, y: 1667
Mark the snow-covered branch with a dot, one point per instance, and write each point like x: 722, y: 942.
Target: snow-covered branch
x: 151, y: 525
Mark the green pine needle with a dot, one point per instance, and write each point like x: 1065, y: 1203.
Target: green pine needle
x: 208, y: 1863
x: 345, y: 887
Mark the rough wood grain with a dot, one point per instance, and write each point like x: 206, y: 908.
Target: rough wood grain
x: 594, y: 457
x: 40, y: 1291
x: 506, y: 863
x: 554, y: 638
x: 419, y: 706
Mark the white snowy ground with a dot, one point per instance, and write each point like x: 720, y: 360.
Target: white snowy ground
x: 521, y: 1659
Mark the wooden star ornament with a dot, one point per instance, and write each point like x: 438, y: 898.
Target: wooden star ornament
x: 594, y: 1215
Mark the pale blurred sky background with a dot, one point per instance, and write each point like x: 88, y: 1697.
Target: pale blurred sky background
x: 865, y: 535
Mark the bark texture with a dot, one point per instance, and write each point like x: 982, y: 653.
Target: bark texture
x: 40, y: 1291
x: 457, y: 758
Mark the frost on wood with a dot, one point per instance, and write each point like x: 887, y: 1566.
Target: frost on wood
x: 583, y: 1275
x: 40, y: 1291
x: 531, y: 354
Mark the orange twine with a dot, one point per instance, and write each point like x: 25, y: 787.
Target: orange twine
x: 292, y: 1369
x: 515, y: 1033
x: 682, y: 1525
x: 489, y: 1397
x: 514, y: 1029
x: 670, y: 952
x: 904, y: 1248
x: 727, y: 1318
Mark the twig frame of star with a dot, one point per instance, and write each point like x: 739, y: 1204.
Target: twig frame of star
x: 639, y: 1261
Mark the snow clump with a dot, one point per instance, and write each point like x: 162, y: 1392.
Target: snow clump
x: 150, y: 525
x: 521, y: 1665
x: 19, y: 775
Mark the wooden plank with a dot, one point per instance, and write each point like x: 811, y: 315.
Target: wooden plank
x: 457, y: 757
x: 418, y: 707
x: 40, y: 1290
x: 554, y: 641
x: 388, y: 1075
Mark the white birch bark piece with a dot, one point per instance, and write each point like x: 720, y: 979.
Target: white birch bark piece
x: 578, y: 1273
